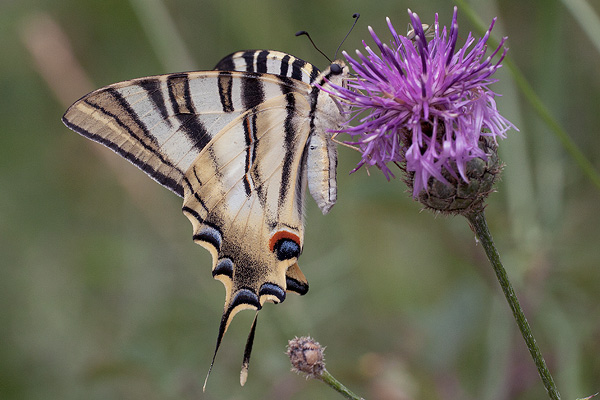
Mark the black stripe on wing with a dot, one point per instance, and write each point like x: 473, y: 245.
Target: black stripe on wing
x: 225, y: 88
x: 297, y: 66
x: 289, y: 144
x: 261, y: 62
x: 285, y: 64
x: 152, y: 86
x: 248, y: 57
x: 249, y: 123
x: 252, y: 93
x: 183, y: 109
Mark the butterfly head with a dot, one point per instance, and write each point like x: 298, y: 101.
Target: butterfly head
x: 330, y: 111
x: 337, y: 68
x: 336, y: 73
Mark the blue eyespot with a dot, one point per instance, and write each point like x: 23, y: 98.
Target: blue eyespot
x: 286, y: 249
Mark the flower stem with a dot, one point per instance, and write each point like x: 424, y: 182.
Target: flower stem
x: 337, y: 385
x: 478, y: 223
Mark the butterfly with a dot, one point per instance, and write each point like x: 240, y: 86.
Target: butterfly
x: 239, y: 144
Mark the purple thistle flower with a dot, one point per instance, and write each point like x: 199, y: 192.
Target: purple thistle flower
x: 424, y: 105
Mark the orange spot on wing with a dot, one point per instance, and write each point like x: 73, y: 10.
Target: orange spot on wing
x: 283, y: 235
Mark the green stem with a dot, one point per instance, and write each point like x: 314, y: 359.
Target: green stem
x: 478, y: 223
x: 337, y: 385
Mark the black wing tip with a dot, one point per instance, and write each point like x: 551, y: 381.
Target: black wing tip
x: 76, y: 128
x: 65, y: 119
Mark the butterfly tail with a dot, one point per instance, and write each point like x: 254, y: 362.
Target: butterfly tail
x: 247, y: 352
x: 243, y: 299
x: 222, y: 329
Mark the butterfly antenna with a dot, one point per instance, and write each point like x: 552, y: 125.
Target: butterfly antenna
x: 247, y: 352
x: 300, y: 33
x: 356, y: 16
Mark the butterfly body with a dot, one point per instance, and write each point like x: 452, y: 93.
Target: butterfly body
x: 240, y: 144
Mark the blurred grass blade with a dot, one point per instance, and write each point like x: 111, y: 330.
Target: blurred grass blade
x: 580, y: 159
x: 587, y: 18
x: 53, y: 58
x: 163, y: 35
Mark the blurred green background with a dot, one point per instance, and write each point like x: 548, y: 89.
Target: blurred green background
x: 104, y: 295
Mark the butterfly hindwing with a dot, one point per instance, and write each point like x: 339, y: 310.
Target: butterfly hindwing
x: 249, y: 183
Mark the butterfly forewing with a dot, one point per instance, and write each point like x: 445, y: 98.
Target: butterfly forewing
x: 162, y: 123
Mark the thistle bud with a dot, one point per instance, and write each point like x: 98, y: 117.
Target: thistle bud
x: 456, y: 195
x: 306, y: 355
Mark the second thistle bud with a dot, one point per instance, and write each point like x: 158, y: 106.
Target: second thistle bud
x: 306, y: 355
x: 458, y: 196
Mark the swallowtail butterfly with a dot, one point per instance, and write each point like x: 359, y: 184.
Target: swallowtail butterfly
x: 239, y: 144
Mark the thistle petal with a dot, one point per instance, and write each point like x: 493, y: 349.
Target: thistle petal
x: 424, y: 104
